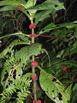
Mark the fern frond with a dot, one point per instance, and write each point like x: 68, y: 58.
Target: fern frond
x: 22, y: 96
x: 19, y: 60
x: 20, y: 84
x: 10, y: 47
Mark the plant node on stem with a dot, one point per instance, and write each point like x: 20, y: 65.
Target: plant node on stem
x: 32, y: 26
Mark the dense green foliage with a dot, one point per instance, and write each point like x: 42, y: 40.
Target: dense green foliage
x: 57, y: 68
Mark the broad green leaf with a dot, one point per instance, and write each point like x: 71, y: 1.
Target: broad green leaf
x: 7, y: 8
x: 14, y: 2
x: 7, y: 5
x: 49, y: 5
x: 53, y: 87
x: 41, y: 16
x: 10, y: 2
x: 30, y: 3
x: 28, y: 51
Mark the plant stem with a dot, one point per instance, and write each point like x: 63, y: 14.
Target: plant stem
x: 33, y: 68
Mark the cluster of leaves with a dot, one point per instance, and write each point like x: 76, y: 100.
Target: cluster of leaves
x: 57, y: 75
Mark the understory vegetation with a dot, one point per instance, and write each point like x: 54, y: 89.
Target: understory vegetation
x: 38, y: 52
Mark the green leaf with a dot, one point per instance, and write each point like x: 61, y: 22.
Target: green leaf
x: 53, y: 26
x: 19, y: 59
x: 7, y: 8
x: 49, y: 5
x: 7, y: 5
x: 19, y: 34
x: 73, y: 48
x: 12, y: 2
x: 10, y: 47
x: 74, y: 93
x: 40, y: 16
x: 22, y: 84
x: 53, y: 87
x: 30, y: 3
x: 28, y: 51
x: 48, y: 28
